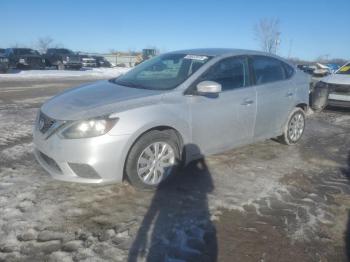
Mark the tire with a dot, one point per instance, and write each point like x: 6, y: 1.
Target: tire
x: 294, y: 128
x: 139, y: 166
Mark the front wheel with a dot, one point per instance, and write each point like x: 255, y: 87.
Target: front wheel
x: 294, y: 129
x: 153, y: 159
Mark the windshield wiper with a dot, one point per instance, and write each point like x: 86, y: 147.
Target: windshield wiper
x: 129, y: 84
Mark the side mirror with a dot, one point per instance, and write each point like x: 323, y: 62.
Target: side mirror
x: 209, y: 87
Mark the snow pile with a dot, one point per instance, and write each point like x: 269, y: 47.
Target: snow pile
x: 42, y: 74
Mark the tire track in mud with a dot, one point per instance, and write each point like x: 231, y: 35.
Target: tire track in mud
x: 65, y: 222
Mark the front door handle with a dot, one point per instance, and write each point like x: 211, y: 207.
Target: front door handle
x: 247, y: 102
x: 289, y: 94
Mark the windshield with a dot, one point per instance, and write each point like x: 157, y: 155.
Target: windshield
x: 344, y: 70
x: 26, y: 51
x: 62, y: 51
x: 163, y: 72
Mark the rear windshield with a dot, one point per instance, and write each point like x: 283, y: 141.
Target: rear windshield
x: 344, y: 70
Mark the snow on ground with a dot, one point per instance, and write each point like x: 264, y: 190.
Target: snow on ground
x: 46, y: 220
x: 14, y: 126
x: 28, y: 101
x: 85, y: 72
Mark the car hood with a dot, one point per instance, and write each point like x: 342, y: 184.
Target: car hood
x: 98, y: 99
x: 337, y: 79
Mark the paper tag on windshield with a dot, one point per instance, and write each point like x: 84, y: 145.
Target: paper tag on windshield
x: 196, y: 57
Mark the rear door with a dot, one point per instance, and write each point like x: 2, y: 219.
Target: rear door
x: 227, y: 120
x: 275, y: 95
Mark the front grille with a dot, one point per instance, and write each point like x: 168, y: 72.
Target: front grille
x: 45, y: 123
x: 50, y: 162
x: 335, y: 88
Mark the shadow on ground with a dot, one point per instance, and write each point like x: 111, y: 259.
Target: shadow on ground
x: 346, y: 172
x: 177, y: 225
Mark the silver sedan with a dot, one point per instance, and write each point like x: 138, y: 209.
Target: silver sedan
x: 167, y: 111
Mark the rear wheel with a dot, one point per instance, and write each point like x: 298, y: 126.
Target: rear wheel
x: 153, y: 159
x: 294, y: 129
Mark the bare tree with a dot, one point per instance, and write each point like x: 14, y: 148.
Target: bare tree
x: 267, y: 33
x: 43, y: 43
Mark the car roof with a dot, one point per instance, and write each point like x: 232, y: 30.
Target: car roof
x: 21, y: 48
x: 220, y: 52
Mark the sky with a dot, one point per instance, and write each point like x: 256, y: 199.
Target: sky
x: 309, y: 28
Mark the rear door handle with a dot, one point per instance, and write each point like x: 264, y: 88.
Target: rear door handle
x: 290, y: 94
x: 247, y: 102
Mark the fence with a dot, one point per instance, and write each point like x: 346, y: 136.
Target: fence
x: 127, y: 61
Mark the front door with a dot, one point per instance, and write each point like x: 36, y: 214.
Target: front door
x: 222, y: 122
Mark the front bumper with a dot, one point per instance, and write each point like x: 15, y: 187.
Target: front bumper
x: 339, y: 95
x: 73, y: 65
x: 89, y: 160
x: 339, y: 100
x: 89, y: 64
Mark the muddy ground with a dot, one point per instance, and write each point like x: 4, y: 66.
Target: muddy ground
x: 263, y: 202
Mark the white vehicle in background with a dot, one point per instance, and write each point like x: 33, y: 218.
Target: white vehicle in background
x: 321, y: 70
x: 333, y: 90
x: 88, y: 61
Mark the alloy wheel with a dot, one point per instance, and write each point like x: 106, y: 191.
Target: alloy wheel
x: 155, y: 163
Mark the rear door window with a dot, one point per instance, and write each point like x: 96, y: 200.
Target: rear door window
x: 268, y: 70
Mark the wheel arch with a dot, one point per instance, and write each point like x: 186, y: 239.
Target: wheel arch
x: 139, y: 134
x: 303, y: 106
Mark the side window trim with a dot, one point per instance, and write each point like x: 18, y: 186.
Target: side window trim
x: 191, y: 89
x: 251, y: 71
x: 285, y: 66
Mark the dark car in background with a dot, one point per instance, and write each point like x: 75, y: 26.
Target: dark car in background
x: 4, y: 62
x: 101, y: 61
x: 24, y: 58
x: 62, y: 58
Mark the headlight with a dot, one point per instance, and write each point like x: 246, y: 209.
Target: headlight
x: 67, y: 58
x: 88, y: 128
x: 22, y: 60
